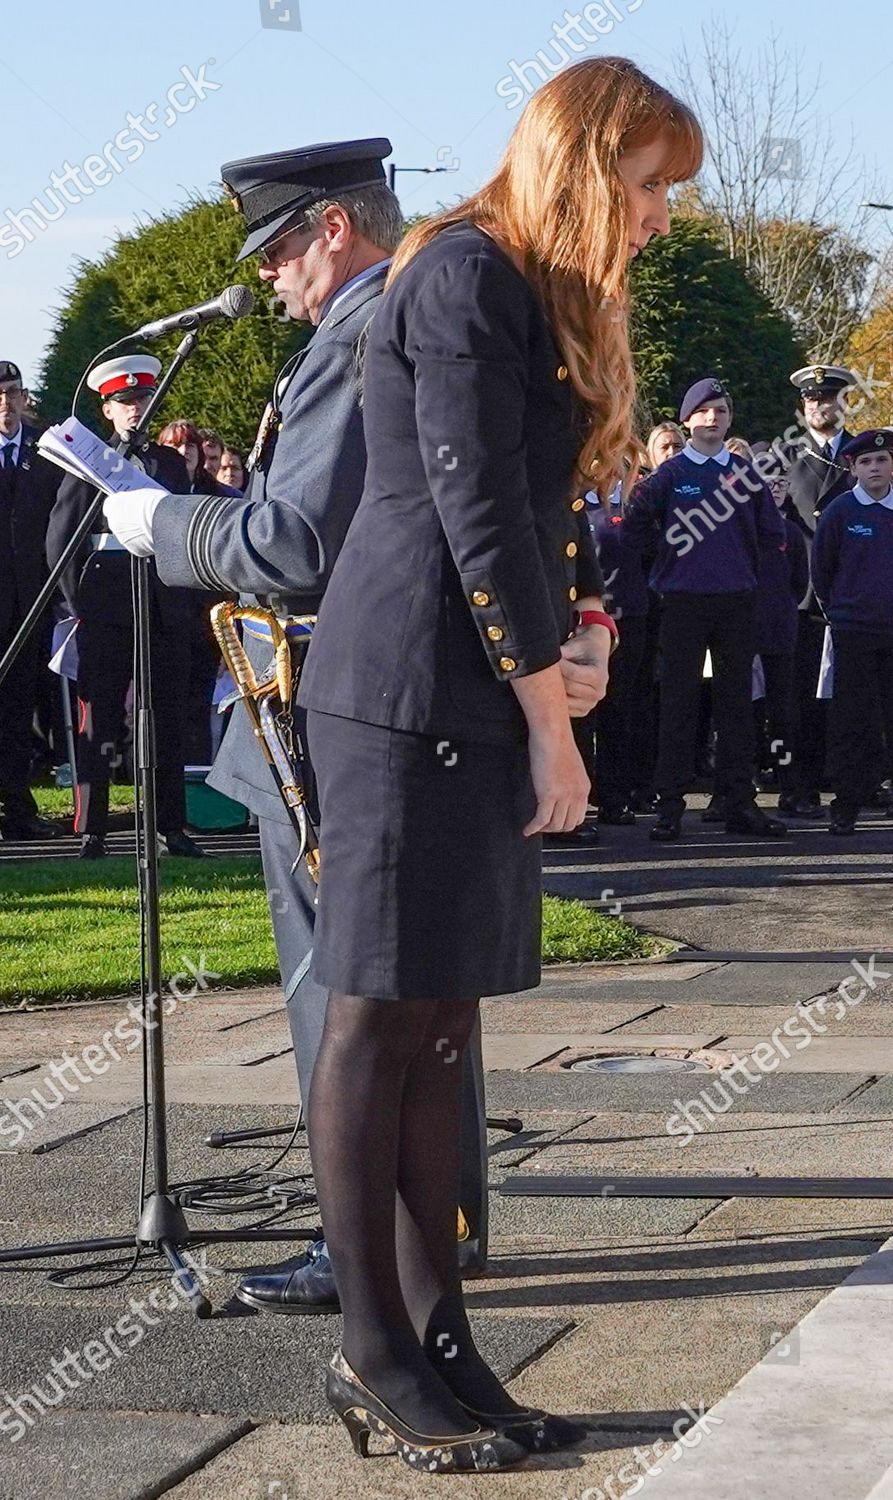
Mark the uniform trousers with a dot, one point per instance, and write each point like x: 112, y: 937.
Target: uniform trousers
x: 811, y: 712
x: 778, y: 675
x: 105, y: 669
x: 292, y: 896
x: 616, y: 717
x: 692, y: 624
x: 860, y: 727
x: 18, y: 698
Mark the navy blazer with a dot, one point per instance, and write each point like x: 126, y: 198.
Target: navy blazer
x: 27, y: 493
x: 462, y: 564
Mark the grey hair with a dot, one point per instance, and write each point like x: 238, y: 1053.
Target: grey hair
x: 374, y: 213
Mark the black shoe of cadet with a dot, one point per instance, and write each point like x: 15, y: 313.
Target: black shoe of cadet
x: 179, y: 843
x: 92, y: 847
x: 667, y: 829
x: 28, y: 828
x: 582, y: 838
x: 843, y: 820
x: 305, y: 1285
x: 715, y: 811
x: 753, y: 821
x: 618, y: 816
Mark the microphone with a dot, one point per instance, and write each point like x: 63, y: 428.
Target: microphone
x: 233, y: 302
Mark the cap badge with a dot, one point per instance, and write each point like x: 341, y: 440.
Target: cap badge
x: 131, y: 379
x: 233, y: 197
x: 819, y: 373
x: 879, y: 440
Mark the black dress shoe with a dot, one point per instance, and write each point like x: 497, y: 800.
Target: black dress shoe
x: 181, y: 844
x: 883, y: 797
x: 753, y: 821
x: 795, y: 807
x: 581, y: 838
x: 642, y: 802
x: 843, y: 819
x: 715, y: 811
x: 92, y: 847
x: 28, y: 828
x: 616, y: 817
x: 667, y: 829
x: 304, y: 1286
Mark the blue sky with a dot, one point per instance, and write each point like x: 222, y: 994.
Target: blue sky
x: 435, y: 78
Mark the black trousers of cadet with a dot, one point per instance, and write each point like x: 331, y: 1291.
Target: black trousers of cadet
x: 811, y: 712
x: 292, y: 896
x: 692, y: 624
x: 615, y: 717
x: 778, y: 675
x: 105, y: 669
x: 18, y: 699
x: 860, y: 727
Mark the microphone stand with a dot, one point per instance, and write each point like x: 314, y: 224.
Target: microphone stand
x: 162, y: 1224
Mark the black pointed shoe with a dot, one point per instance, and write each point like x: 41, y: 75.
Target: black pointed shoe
x: 843, y: 821
x: 179, y: 843
x: 754, y: 822
x: 667, y: 829
x: 92, y: 847
x: 536, y: 1431
x: 364, y: 1415
x: 304, y: 1286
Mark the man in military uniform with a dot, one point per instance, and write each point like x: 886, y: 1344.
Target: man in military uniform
x: 324, y: 223
x: 97, y: 589
x: 817, y: 475
x: 28, y: 486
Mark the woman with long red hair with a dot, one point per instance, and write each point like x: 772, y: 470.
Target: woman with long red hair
x: 460, y: 632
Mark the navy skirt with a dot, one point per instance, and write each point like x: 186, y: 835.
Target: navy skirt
x: 428, y: 888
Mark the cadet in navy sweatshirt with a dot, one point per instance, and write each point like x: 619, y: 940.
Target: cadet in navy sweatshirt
x: 712, y: 514
x: 852, y: 574
x: 626, y: 595
x: 782, y: 582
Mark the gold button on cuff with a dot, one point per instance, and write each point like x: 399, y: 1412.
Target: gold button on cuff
x: 495, y: 633
x: 507, y: 664
x: 479, y: 597
x: 578, y: 504
x: 571, y: 549
x: 561, y: 372
x: 572, y: 594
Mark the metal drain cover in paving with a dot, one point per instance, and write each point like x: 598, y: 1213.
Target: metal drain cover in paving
x: 638, y: 1063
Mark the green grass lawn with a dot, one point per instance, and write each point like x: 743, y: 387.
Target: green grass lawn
x: 69, y: 930
x: 57, y: 802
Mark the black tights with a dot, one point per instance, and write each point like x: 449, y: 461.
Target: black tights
x: 384, y: 1120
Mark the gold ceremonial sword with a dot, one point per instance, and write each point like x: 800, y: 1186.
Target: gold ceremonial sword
x: 268, y: 701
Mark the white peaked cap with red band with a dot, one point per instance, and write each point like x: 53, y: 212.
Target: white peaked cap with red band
x: 120, y: 377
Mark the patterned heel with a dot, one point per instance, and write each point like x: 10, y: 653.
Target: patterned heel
x: 363, y: 1413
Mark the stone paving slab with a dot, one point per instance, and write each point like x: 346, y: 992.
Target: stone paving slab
x: 71, y: 1455
x: 780, y: 1093
x: 836, y: 1363
x: 756, y: 1020
x: 562, y: 1015
x: 229, y: 1365
x: 521, y: 1050
x: 741, y: 983
x: 29, y: 1128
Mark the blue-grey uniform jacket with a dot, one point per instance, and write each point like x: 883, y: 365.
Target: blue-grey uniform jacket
x: 278, y: 543
x: 465, y: 558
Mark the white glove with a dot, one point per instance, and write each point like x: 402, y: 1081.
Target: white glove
x: 130, y: 518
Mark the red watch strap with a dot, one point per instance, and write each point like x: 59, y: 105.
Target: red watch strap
x: 598, y: 617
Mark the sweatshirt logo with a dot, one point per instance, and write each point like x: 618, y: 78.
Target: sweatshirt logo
x: 857, y: 529
x: 686, y: 489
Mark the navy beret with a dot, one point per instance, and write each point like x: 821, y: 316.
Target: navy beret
x: 700, y: 394
x: 9, y: 371
x: 875, y: 440
x: 272, y: 190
